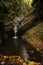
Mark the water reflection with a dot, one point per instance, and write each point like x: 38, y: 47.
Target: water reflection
x: 20, y: 47
x: 25, y: 54
x: 16, y: 47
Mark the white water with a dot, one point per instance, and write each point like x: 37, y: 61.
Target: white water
x: 15, y: 30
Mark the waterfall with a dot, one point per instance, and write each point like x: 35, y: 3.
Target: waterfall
x: 15, y: 30
x: 17, y: 23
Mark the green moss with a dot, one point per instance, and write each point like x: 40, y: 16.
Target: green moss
x: 28, y: 35
x: 41, y: 36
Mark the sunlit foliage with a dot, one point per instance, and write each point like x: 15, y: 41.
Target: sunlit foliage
x: 28, y: 1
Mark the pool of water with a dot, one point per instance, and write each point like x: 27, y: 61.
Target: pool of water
x: 20, y: 47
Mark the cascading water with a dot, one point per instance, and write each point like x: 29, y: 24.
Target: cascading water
x: 15, y: 30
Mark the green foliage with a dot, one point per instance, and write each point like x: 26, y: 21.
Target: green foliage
x: 28, y: 1
x: 8, y: 11
x: 13, y: 8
